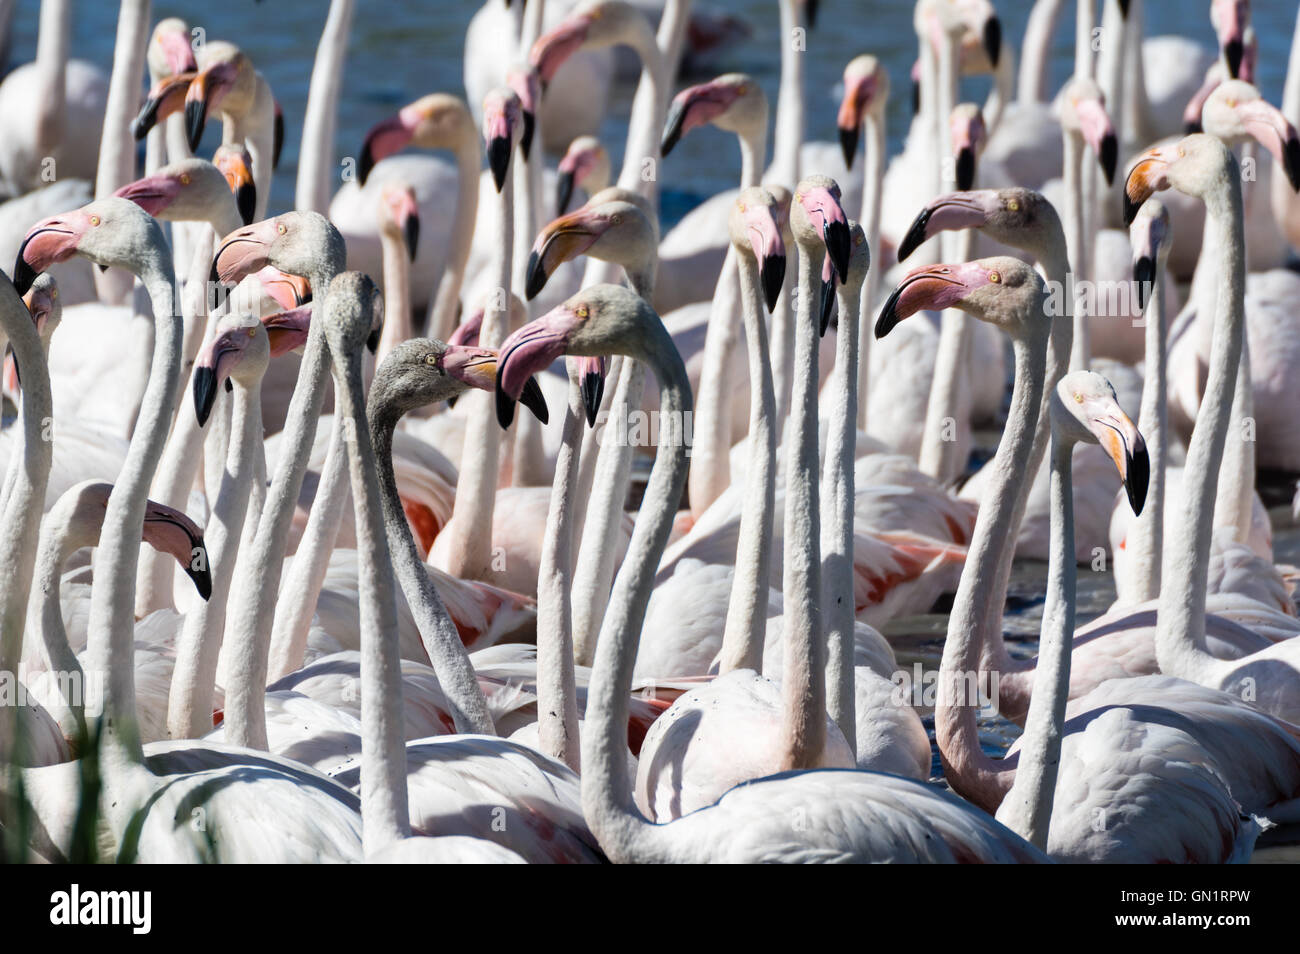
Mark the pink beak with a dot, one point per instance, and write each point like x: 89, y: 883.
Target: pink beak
x: 243, y: 252
x: 287, y: 330
x: 696, y: 106
x: 529, y: 350
x: 930, y: 288
x: 47, y: 243
x: 152, y: 193
x: 553, y: 48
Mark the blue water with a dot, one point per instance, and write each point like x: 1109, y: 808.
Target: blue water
x: 400, y: 51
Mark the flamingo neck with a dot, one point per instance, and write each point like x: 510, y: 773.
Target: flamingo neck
x: 746, y: 621
x: 397, y: 295
x: 52, y: 45
x: 607, y: 803
x: 1078, y: 246
x: 1027, y: 808
x: 442, y: 313
x: 1146, y: 532
x: 557, y: 698
x: 442, y: 643
x: 383, y: 739
x: 945, y: 440
x: 972, y: 773
x: 1031, y: 86
x: 646, y: 123
x: 1083, y: 66
x: 789, y: 101
x: 60, y: 537
x: 873, y: 174
x: 189, y: 704
x: 1180, y: 626
x: 316, y: 154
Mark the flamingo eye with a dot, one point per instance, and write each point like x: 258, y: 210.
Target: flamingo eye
x: 994, y: 277
x: 185, y: 178
x: 252, y: 332
x: 431, y: 359
x: 282, y: 228
x: 1078, y: 398
x: 54, y: 293
x: 1013, y: 205
x: 582, y: 311
x: 615, y: 220
x: 94, y: 220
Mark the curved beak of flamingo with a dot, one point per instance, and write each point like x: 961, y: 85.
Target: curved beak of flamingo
x: 1099, y: 133
x: 1148, y: 235
x: 858, y: 94
x: 529, y: 351
x: 287, y: 291
x: 477, y: 368
x: 1230, y: 24
x: 930, y: 288
x: 152, y: 193
x: 561, y: 241
x: 406, y: 216
x: 1272, y: 130
x: 555, y: 46
x: 47, y: 243
x: 1121, y: 440
x: 243, y: 252
x: 287, y: 330
x: 205, y: 91
x: 527, y: 86
x: 991, y: 35
x: 498, y: 131
x: 1148, y: 175
x: 825, y: 208
x: 234, y: 165
x: 769, y: 251
x: 697, y: 106
x: 212, y: 368
x: 169, y: 531
x: 166, y: 97
x: 968, y: 137
x: 949, y: 213
x: 591, y: 381
x: 385, y: 139
x: 466, y: 333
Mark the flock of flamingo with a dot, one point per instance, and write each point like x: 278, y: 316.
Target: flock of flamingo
x: 412, y: 623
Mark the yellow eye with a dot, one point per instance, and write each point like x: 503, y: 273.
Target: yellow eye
x: 1181, y: 152
x: 431, y: 359
x: 798, y: 197
x: 615, y: 220
x: 252, y: 332
x: 1232, y: 103
x: 282, y: 228
x: 994, y: 277
x: 94, y: 220
x: 185, y: 178
x: 1078, y: 398
x: 741, y: 206
x: 742, y: 89
x: 582, y: 311
x: 54, y: 293
x: 1013, y: 205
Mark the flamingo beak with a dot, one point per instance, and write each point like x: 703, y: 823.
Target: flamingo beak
x: 196, y: 110
x: 561, y: 241
x: 530, y: 350
x: 212, y: 367
x: 239, y: 176
x: 554, y: 47
x: 769, y: 251
x: 591, y: 378
x: 243, y: 252
x: 498, y: 133
x: 673, y: 126
x: 697, y: 106
x: 48, y: 243
x: 827, y: 304
x: 384, y: 139
x: 1148, y: 176
x: 1120, y: 437
x: 287, y: 330
x: 1099, y: 133
x: 821, y: 205
x: 929, y: 288
x: 167, y: 97
x: 992, y: 37
x: 1267, y: 124
x: 277, y: 137
x: 563, y: 190
x: 467, y: 332
x: 951, y: 212
x: 169, y: 531
x: 857, y: 94
x: 477, y: 367
x: 152, y: 193
x: 287, y: 291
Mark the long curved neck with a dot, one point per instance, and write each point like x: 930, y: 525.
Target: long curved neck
x: 789, y: 100
x: 257, y: 580
x: 1112, y: 61
x: 1146, y: 534
x: 1027, y: 808
x: 442, y: 312
x: 711, y: 456
x: 803, y: 678
x: 398, y: 326
x: 469, y: 533
x: 111, y: 628
x: 20, y: 524
x: 557, y: 696
x: 255, y: 128
x: 438, y: 633
x: 623, y: 833
x: 746, y: 625
x: 837, y: 523
x: 1283, y: 196
x: 316, y: 155
x: 189, y: 705
x: 59, y: 539
x: 117, y: 148
x: 1180, y: 626
x: 646, y: 123
x: 753, y: 155
x: 1083, y: 38
x: 1077, y: 243
x: 945, y: 439
x: 383, y: 738
x: 52, y: 44
x: 972, y: 773
x: 1031, y: 85
x: 873, y: 177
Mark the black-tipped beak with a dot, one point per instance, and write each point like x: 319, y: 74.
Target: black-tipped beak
x: 672, y: 128
x: 246, y: 201
x: 888, y: 318
x: 849, y: 143
x: 526, y: 142
x: 993, y: 39
x: 771, y: 275
x: 827, y: 305
x: 365, y: 163
x: 202, y: 578
x: 411, y: 232
x: 839, y: 244
x: 1192, y: 128
x: 593, y: 391
x: 916, y: 97
x: 499, y: 160
x: 535, y: 278
x: 1123, y: 8
x: 24, y: 274
x: 1291, y: 162
x: 205, y: 393
x: 505, y: 405
x: 1233, y: 52
x: 372, y: 340
x: 1109, y: 156
x: 563, y: 192
x: 531, y: 398
x: 1136, y: 478
x: 915, y: 236
x: 811, y: 7
x: 196, y: 116
x: 146, y: 119
x: 1144, y: 273
x: 965, y: 169
x: 278, y: 141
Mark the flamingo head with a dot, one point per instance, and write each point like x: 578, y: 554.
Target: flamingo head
x: 866, y: 90
x: 733, y: 102
x: 236, y: 165
x: 287, y: 330
x: 399, y: 215
x: 1235, y: 111
x: 1150, y: 235
x: 816, y: 217
x: 224, y: 72
x: 1231, y: 19
x: 1195, y: 165
x: 755, y: 230
x: 617, y: 229
x: 435, y: 121
x: 990, y: 289
x: 240, y: 349
x: 502, y: 130
x: 527, y: 86
x: 109, y: 232
x: 1085, y: 408
x: 585, y: 161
